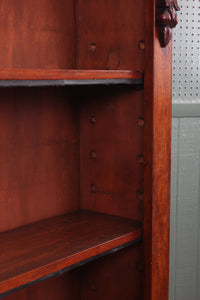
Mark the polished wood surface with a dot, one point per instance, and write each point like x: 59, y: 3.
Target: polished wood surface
x: 110, y: 36
x: 109, y: 277
x: 53, y: 74
x: 94, y: 148
x: 54, y: 244
x: 157, y: 157
x: 62, y: 287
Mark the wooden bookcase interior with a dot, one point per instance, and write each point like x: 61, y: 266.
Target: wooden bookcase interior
x: 71, y: 171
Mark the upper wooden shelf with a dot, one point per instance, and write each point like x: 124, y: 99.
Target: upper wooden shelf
x: 47, y: 77
x: 40, y: 249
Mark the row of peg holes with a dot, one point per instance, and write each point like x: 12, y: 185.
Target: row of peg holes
x: 93, y: 155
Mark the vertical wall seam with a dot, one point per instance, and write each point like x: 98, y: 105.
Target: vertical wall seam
x: 177, y: 202
x: 198, y: 232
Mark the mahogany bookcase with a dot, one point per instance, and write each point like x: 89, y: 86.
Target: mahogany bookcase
x: 85, y: 119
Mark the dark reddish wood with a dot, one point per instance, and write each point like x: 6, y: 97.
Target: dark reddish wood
x: 62, y: 287
x: 38, y: 34
x: 98, y: 152
x: 117, y: 140
x: 168, y: 3
x: 39, y: 152
x: 54, y: 244
x: 166, y: 19
x: 157, y: 148
x: 116, y: 276
x: 42, y: 74
x: 109, y: 33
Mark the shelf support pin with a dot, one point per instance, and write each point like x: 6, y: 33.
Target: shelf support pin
x: 140, y: 159
x: 140, y: 122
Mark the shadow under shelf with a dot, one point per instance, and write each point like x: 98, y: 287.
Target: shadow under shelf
x: 61, y: 77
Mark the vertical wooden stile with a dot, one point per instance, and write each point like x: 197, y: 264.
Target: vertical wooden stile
x: 157, y: 155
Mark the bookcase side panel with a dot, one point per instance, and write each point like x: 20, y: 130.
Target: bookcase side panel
x: 111, y: 145
x: 157, y: 154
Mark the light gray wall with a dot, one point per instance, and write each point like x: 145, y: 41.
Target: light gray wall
x: 185, y: 210
x: 185, y: 182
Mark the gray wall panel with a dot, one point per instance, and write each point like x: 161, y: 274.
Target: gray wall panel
x: 187, y: 206
x: 185, y: 216
x: 185, y: 182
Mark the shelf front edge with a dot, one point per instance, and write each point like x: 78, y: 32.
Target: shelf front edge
x: 53, y: 267
x: 61, y: 74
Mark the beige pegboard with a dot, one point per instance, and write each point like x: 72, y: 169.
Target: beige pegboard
x: 186, y: 53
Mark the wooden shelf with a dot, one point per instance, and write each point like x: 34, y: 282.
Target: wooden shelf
x: 40, y: 249
x: 42, y: 77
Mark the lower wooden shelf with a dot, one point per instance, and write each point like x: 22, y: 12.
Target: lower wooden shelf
x: 40, y: 249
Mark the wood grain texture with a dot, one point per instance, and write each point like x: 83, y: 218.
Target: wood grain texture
x: 157, y: 155
x: 41, y: 135
x: 50, y: 74
x: 54, y: 244
x: 37, y: 34
x: 117, y: 140
x: 39, y: 155
x: 116, y: 276
x: 62, y: 287
x: 108, y: 34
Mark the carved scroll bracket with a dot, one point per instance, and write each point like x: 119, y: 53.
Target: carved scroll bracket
x: 166, y: 20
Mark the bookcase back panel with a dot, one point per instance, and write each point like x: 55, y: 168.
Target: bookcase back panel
x: 62, y: 287
x: 72, y: 34
x: 39, y: 154
x: 110, y: 143
x: 117, y: 276
x: 37, y: 34
x: 109, y: 34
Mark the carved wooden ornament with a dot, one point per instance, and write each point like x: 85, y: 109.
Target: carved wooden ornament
x: 166, y: 19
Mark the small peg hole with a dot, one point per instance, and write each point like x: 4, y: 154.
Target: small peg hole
x: 92, y: 48
x: 93, y: 154
x: 93, y: 188
x: 141, y: 45
x: 93, y: 119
